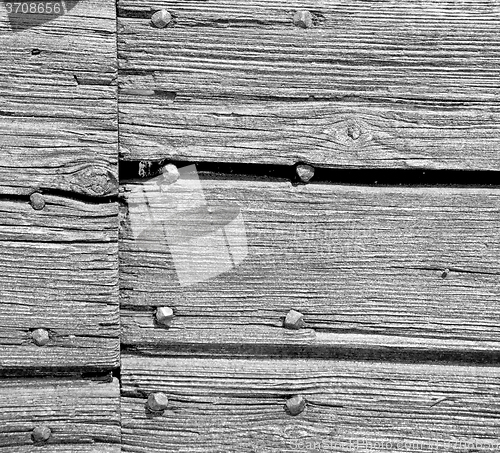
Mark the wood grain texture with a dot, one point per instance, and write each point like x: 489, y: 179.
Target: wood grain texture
x: 58, y: 118
x: 237, y: 405
x: 364, y: 265
x: 374, y: 84
x: 83, y: 415
x: 59, y: 272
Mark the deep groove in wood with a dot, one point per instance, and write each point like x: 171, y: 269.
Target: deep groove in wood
x: 347, y: 354
x: 129, y: 170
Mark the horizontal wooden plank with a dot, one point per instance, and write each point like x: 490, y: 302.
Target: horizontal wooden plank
x: 365, y: 265
x: 340, y: 135
x: 58, y: 118
x: 238, y: 405
x: 59, y: 272
x: 372, y: 84
x: 83, y: 415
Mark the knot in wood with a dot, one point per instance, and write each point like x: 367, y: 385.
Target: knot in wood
x: 157, y: 402
x: 304, y: 172
x: 37, y: 201
x: 351, y: 132
x: 303, y: 19
x: 294, y: 320
x: 41, y: 434
x: 295, y: 405
x: 40, y: 337
x: 94, y: 181
x: 164, y: 316
x: 161, y: 18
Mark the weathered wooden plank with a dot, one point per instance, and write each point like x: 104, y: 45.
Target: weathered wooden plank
x: 59, y: 272
x: 83, y: 415
x: 352, y: 135
x: 58, y: 118
x: 238, y: 405
x: 365, y: 265
x: 371, y: 84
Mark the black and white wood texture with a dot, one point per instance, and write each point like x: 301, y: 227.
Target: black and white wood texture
x: 383, y: 268
x: 59, y: 273
x: 238, y: 406
x: 83, y: 415
x: 58, y: 116
x: 372, y: 84
x: 59, y: 137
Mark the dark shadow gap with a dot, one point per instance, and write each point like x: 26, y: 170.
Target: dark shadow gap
x: 92, y: 373
x: 132, y: 170
x: 278, y: 352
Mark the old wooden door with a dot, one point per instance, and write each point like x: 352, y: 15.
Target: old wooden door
x: 299, y: 251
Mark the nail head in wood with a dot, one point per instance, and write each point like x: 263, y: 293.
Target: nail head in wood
x: 353, y: 131
x: 295, y: 405
x: 37, y: 201
x: 41, y: 434
x: 40, y: 337
x: 304, y: 172
x: 303, y: 19
x: 294, y: 320
x: 164, y: 316
x: 161, y: 18
x: 170, y: 173
x: 157, y: 402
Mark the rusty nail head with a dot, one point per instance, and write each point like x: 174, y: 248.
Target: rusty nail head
x: 170, y: 173
x: 36, y: 200
x: 295, y: 405
x: 304, y: 172
x: 164, y: 316
x: 353, y: 131
x: 294, y: 320
x: 157, y: 402
x: 303, y: 19
x: 41, y: 434
x: 40, y: 337
x: 161, y: 18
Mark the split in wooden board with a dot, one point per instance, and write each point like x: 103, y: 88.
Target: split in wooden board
x: 370, y: 85
x: 387, y: 268
x: 58, y: 117
x: 238, y: 405
x: 59, y: 273
x: 82, y: 415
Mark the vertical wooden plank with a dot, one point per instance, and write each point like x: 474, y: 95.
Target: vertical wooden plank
x: 59, y: 273
x: 58, y: 117
x: 58, y: 177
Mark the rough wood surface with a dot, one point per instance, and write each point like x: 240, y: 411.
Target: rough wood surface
x: 59, y: 272
x: 58, y: 116
x: 365, y: 265
x: 83, y: 415
x: 372, y: 84
x: 237, y: 405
